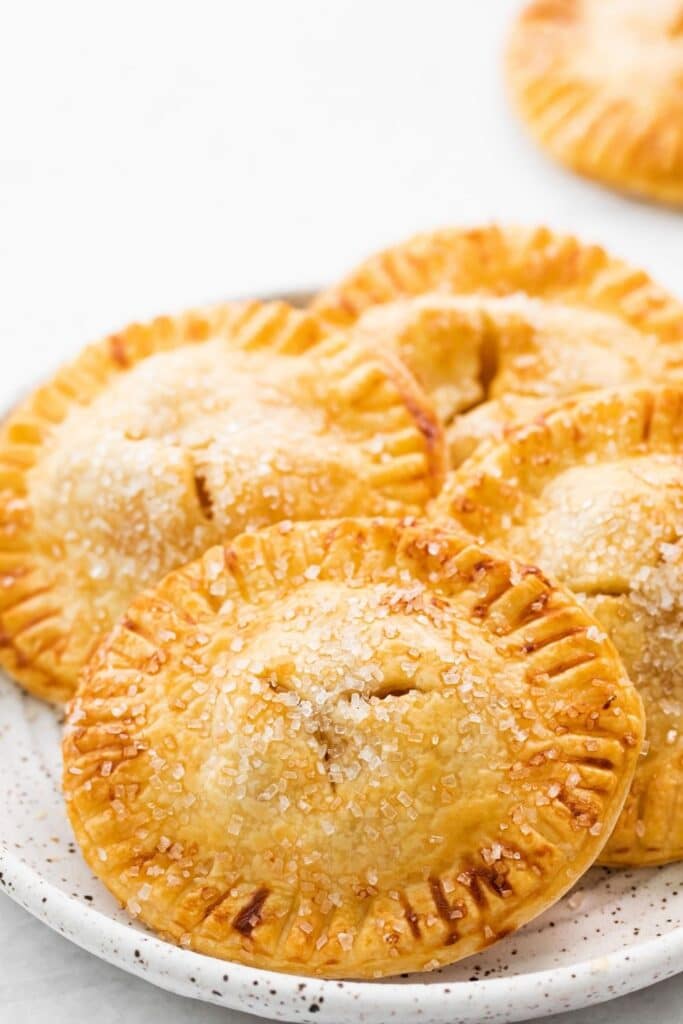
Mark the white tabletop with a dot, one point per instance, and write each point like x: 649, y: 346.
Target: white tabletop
x: 158, y: 155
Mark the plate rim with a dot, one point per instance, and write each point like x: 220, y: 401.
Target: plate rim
x: 28, y: 886
x: 171, y: 967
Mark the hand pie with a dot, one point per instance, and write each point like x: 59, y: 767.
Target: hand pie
x: 594, y: 495
x: 599, y: 84
x: 172, y: 436
x: 498, y: 261
x: 348, y: 749
x: 490, y: 362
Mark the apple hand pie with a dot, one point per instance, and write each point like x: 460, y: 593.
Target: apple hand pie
x: 490, y: 362
x: 497, y: 260
x: 599, y: 85
x: 348, y: 749
x: 172, y: 436
x: 594, y: 494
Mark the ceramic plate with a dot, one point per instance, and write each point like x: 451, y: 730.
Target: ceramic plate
x: 615, y: 932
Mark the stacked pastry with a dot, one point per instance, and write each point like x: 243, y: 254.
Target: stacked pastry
x: 363, y: 611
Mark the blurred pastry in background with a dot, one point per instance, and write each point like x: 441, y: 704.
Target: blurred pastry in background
x: 599, y: 85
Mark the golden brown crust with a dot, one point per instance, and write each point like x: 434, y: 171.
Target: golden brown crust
x: 348, y: 749
x: 593, y: 492
x: 169, y: 436
x: 491, y: 362
x: 600, y: 87
x: 499, y: 260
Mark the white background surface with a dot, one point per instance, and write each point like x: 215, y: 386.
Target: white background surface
x: 155, y: 155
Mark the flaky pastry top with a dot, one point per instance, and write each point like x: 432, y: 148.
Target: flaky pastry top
x: 593, y: 492
x: 348, y: 749
x: 599, y: 84
x: 500, y: 260
x: 174, y: 435
x: 491, y: 362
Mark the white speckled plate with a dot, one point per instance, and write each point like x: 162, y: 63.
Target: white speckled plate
x: 616, y: 932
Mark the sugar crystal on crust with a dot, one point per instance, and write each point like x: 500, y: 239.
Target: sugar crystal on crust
x: 330, y: 803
